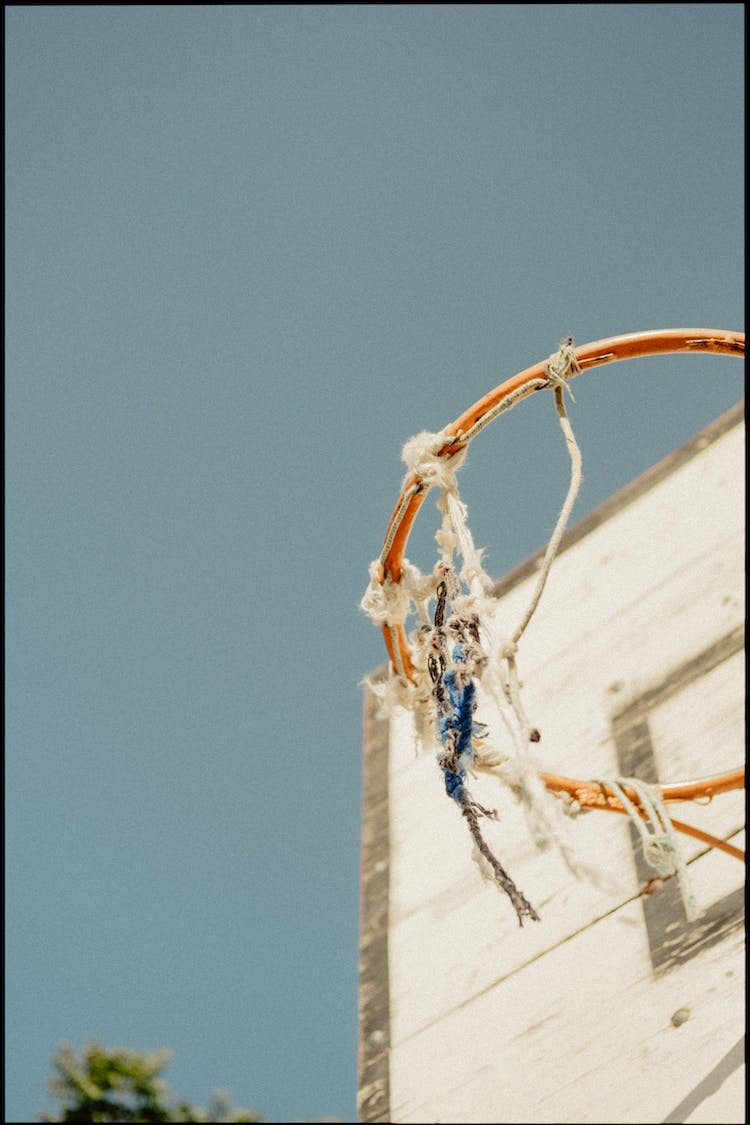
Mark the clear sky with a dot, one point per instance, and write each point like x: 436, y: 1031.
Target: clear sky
x: 250, y: 251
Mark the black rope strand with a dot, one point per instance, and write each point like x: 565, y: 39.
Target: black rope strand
x: 522, y: 906
x: 452, y: 672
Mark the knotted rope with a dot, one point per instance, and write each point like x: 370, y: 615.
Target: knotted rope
x: 661, y: 849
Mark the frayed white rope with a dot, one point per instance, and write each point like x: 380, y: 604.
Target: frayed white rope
x: 396, y: 694
x: 385, y: 603
x: 467, y: 591
x: 420, y: 588
x: 390, y: 603
x: 661, y: 849
x: 472, y: 571
x: 521, y: 773
x: 561, y: 366
x: 562, y: 520
x: 421, y: 456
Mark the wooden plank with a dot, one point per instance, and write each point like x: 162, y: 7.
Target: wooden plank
x: 373, y: 1100
x: 485, y: 1024
x: 583, y: 1034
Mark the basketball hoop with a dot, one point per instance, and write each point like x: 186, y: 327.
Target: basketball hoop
x: 433, y: 673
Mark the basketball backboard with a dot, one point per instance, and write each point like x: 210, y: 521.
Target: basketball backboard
x: 614, y: 1007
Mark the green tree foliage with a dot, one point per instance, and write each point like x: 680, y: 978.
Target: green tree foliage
x: 118, y: 1084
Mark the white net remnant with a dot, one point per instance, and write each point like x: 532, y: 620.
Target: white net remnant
x: 454, y: 648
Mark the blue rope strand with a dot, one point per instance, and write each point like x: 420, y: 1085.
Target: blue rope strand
x: 456, y: 705
x: 457, y: 729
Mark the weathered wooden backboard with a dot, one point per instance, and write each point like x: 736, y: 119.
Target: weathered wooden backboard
x: 615, y: 1007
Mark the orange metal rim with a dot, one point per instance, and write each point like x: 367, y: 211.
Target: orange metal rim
x: 612, y: 349
x: 596, y: 795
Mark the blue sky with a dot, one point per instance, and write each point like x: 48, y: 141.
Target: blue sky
x: 249, y: 252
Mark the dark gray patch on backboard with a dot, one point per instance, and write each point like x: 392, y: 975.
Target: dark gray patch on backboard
x: 374, y: 990
x: 672, y: 938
